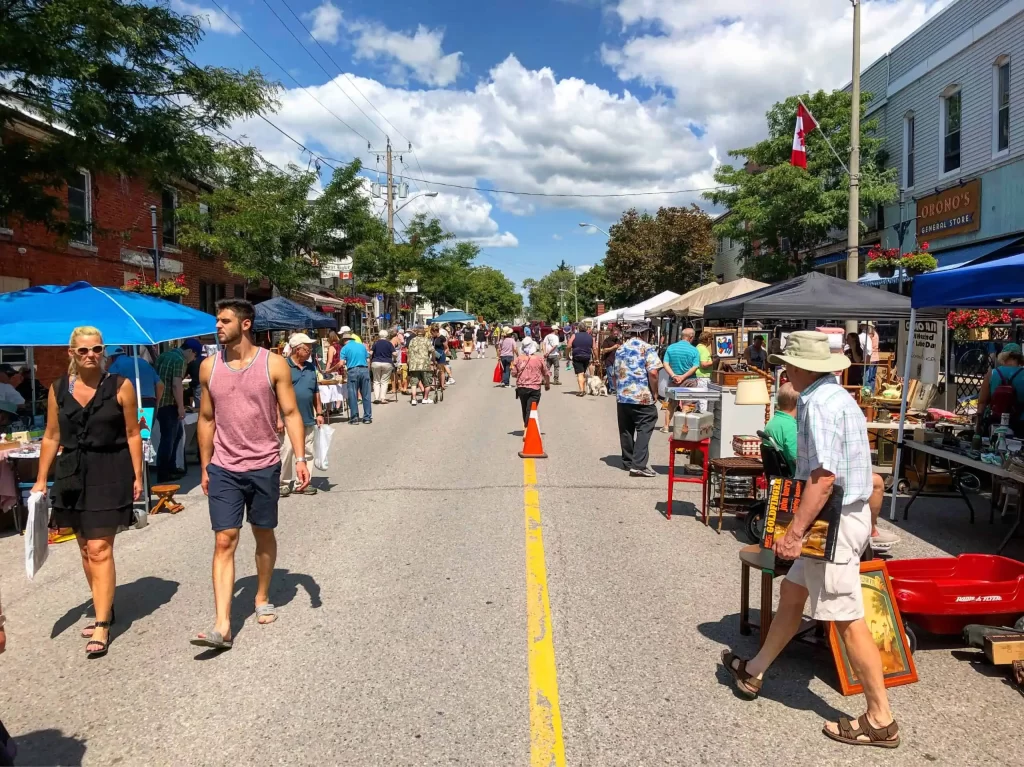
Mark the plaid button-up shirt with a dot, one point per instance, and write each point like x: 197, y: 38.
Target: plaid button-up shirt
x: 832, y: 435
x: 170, y: 365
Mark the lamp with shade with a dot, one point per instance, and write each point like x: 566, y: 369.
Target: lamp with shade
x: 754, y: 391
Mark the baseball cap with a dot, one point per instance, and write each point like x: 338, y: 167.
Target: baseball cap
x: 299, y: 338
x: 344, y: 329
x: 113, y: 351
x: 193, y: 345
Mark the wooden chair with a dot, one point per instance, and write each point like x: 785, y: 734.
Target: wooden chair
x: 165, y: 494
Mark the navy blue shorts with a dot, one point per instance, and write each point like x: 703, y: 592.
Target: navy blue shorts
x: 252, y: 493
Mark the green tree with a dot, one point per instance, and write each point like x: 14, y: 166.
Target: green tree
x: 493, y: 295
x: 264, y: 222
x: 780, y: 211
x: 671, y: 250
x: 593, y: 286
x: 114, y: 79
x: 544, y: 294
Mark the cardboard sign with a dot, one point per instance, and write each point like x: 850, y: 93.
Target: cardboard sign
x: 952, y: 211
x: 927, y: 351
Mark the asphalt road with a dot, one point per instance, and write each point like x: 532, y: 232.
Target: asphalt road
x: 403, y: 640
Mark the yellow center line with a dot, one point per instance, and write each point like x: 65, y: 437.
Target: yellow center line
x: 546, y: 746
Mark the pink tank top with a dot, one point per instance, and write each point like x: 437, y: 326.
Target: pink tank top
x: 244, y: 415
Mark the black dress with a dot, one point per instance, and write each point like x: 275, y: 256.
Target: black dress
x: 94, y: 481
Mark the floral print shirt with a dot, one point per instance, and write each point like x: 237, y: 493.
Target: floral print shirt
x: 633, y: 361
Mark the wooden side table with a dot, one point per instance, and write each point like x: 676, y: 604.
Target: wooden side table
x: 726, y: 467
x: 754, y: 556
x: 704, y: 448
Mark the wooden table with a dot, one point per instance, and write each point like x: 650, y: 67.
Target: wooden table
x: 725, y: 467
x: 704, y: 447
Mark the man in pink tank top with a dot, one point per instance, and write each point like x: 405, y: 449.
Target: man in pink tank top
x: 244, y: 387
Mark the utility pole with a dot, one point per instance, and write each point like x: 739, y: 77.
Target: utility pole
x: 391, y: 196
x: 156, y: 248
x: 853, y: 220
x: 576, y: 293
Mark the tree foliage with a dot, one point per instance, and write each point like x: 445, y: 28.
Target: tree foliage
x: 493, y: 295
x: 772, y: 201
x: 671, y: 250
x: 265, y: 224
x: 114, y: 79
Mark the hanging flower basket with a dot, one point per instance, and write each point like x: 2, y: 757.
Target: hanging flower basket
x: 170, y: 288
x: 884, y: 262
x: 976, y: 324
x: 884, y: 271
x: 404, y: 308
x: 354, y: 301
x: 919, y: 261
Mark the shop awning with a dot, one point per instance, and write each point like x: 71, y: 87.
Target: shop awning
x: 954, y: 257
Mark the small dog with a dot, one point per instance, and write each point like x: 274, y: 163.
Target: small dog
x: 597, y: 386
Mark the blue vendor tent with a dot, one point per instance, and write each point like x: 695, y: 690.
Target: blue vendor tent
x: 45, y: 315
x: 985, y: 284
x: 282, y: 313
x: 453, y: 316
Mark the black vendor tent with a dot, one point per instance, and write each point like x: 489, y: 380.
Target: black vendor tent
x: 813, y: 296
x: 284, y: 314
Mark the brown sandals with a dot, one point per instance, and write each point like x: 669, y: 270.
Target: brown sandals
x: 883, y: 737
x: 749, y: 686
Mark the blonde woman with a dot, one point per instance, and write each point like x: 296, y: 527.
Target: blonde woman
x: 93, y: 416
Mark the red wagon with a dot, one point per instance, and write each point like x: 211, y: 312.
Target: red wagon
x: 944, y: 594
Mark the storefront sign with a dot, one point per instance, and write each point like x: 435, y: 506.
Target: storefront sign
x: 927, y: 351
x: 953, y: 211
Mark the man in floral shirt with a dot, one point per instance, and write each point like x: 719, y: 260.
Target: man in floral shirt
x: 421, y: 363
x: 636, y: 379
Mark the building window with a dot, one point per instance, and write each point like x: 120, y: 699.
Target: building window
x: 1001, y: 105
x: 169, y: 201
x: 239, y: 291
x: 909, y: 141
x: 950, y: 131
x: 80, y: 207
x: 209, y: 294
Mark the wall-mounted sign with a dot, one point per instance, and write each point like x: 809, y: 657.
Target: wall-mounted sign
x: 952, y: 211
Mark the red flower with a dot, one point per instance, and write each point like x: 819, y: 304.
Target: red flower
x: 924, y: 246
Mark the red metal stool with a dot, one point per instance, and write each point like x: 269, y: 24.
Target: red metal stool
x: 704, y: 447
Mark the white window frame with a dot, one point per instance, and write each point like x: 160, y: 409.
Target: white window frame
x: 908, y: 120
x: 947, y: 94
x: 87, y: 240
x: 1000, y: 62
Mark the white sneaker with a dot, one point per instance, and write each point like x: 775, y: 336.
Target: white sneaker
x: 414, y: 403
x: 427, y: 402
x: 884, y: 539
x: 451, y: 381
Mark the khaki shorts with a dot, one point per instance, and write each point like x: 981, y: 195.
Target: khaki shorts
x: 426, y: 377
x: 834, y: 589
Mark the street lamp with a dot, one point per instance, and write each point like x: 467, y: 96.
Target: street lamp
x: 602, y: 231
x: 421, y: 194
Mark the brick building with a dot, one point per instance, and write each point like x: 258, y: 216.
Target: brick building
x: 119, y: 247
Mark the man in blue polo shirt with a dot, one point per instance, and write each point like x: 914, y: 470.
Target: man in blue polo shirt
x: 682, y: 360
x: 307, y: 397
x: 357, y: 363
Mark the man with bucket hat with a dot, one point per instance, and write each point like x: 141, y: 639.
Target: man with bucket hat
x: 832, y: 456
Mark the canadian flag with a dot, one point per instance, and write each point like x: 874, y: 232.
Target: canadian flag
x: 804, y: 124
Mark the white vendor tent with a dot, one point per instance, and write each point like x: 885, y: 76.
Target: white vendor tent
x: 636, y: 313
x: 607, y: 317
x: 692, y: 304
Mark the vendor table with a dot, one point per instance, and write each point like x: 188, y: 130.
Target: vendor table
x: 333, y: 394
x: 726, y: 467
x: 704, y: 448
x: 997, y: 472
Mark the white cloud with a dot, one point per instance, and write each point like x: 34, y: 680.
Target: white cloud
x: 326, y: 19
x: 212, y: 18
x: 584, y: 268
x: 556, y: 237
x: 419, y: 55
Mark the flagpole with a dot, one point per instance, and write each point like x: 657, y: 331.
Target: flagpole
x: 853, y: 222
x: 823, y: 134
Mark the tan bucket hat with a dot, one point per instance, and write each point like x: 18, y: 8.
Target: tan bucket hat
x: 809, y: 350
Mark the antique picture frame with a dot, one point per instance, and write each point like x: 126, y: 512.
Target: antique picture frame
x: 725, y: 345
x: 882, y: 615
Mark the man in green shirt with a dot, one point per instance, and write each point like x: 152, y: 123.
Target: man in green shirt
x: 782, y: 427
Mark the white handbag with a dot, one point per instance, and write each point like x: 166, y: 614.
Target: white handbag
x: 322, y: 445
x: 36, y: 533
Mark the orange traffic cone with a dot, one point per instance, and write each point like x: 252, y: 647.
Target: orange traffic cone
x: 533, y: 446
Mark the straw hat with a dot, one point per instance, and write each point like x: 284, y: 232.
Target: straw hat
x: 809, y: 350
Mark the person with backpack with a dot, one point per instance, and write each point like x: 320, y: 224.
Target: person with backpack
x: 1002, y: 391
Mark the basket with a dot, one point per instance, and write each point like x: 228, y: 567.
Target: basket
x: 746, y: 446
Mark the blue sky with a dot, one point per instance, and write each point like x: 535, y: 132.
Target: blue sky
x: 547, y: 96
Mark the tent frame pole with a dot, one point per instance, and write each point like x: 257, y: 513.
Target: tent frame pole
x: 903, y: 413
x: 145, y: 464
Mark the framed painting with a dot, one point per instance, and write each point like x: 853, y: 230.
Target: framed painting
x: 725, y: 344
x: 886, y: 626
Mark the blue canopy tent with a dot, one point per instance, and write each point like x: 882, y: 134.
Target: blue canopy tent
x: 986, y: 283
x: 282, y: 313
x: 452, y: 316
x: 46, y: 315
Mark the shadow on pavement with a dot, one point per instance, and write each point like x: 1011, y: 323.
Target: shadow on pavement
x: 945, y: 523
x: 284, y: 586
x: 44, y: 748
x: 680, y: 508
x: 787, y: 681
x: 132, y: 601
x: 615, y: 461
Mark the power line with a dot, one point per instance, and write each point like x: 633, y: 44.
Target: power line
x: 315, y: 61
x: 279, y: 66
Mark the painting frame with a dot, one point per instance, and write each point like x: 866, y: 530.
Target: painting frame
x: 875, y: 584
x: 725, y: 345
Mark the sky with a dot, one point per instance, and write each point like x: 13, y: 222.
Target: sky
x: 550, y: 97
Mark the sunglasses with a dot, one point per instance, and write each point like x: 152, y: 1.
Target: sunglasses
x: 81, y: 351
